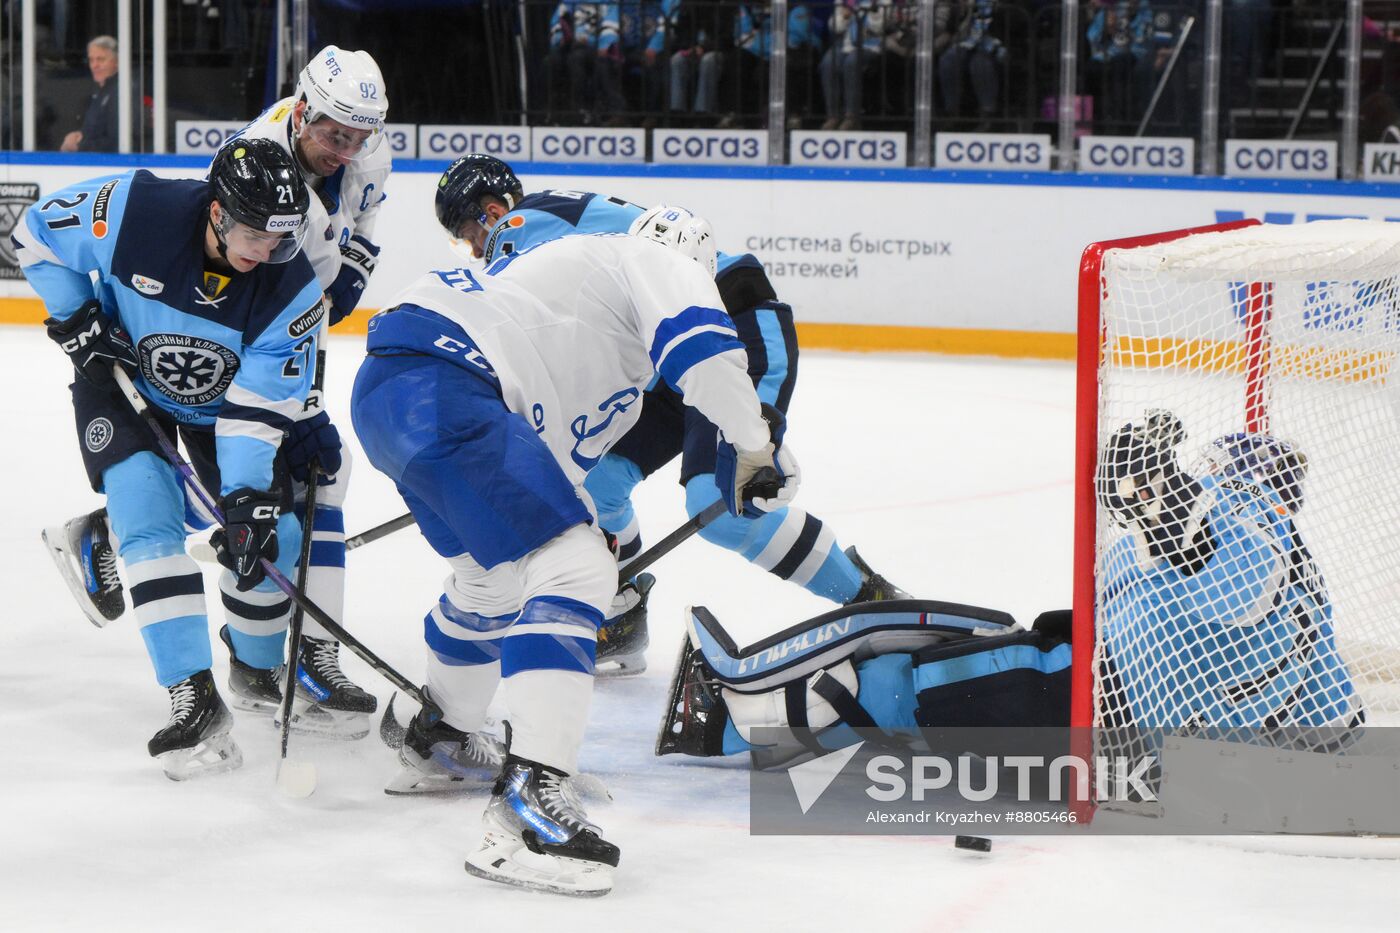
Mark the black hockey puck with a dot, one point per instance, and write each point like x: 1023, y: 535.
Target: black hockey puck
x: 975, y: 843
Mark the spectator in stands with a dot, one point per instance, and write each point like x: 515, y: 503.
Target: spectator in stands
x: 975, y: 52
x: 584, y: 54
x: 644, y: 38
x: 99, y: 123
x: 753, y: 46
x: 1120, y: 39
x: 692, y: 32
x: 1380, y: 83
x: 861, y: 32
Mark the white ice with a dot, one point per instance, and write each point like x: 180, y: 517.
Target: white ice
x: 953, y: 476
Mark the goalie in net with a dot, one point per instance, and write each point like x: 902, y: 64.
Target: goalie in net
x: 1215, y: 619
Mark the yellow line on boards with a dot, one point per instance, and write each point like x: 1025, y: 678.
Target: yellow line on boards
x: 859, y: 337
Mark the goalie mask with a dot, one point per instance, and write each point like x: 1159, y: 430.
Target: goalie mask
x: 1141, y: 484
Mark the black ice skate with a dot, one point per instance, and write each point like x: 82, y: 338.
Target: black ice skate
x: 327, y: 702
x: 82, y: 551
x: 438, y: 758
x: 538, y: 837
x: 252, y: 689
x: 693, y: 723
x: 873, y: 587
x: 623, y: 639
x: 198, y: 740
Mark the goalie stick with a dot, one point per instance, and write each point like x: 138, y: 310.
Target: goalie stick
x: 381, y: 667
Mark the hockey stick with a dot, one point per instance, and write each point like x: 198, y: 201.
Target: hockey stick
x: 379, y: 531
x: 381, y: 667
x: 391, y: 732
x: 202, y: 551
x: 298, y: 778
x: 669, y: 543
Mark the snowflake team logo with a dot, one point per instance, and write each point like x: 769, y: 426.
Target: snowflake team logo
x: 98, y: 434
x: 14, y: 198
x: 189, y: 370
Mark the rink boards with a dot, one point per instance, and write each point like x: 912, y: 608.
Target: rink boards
x: 870, y: 259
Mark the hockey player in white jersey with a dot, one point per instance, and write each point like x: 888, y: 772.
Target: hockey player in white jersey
x: 333, y: 128
x: 487, y: 397
x: 481, y: 203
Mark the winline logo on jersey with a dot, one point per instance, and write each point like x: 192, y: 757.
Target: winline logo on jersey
x: 1044, y: 781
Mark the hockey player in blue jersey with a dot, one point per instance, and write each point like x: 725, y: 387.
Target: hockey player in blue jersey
x: 1214, y: 616
x: 200, y: 290
x: 480, y: 201
x: 333, y: 129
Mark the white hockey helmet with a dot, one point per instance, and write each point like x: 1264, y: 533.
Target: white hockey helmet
x: 687, y: 233
x: 347, y: 87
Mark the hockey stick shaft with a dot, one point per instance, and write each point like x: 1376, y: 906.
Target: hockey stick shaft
x: 379, y: 531
x: 138, y: 403
x: 644, y: 560
x: 308, y: 526
x: 669, y: 543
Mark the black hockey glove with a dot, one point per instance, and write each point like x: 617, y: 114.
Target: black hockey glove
x: 753, y: 482
x: 357, y: 261
x: 314, y: 437
x: 249, y: 533
x: 93, y: 342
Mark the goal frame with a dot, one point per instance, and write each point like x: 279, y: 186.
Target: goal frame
x: 1089, y: 356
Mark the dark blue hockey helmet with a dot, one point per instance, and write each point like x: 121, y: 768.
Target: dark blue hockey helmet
x: 1136, y: 464
x: 1262, y: 460
x: 1141, y: 484
x: 463, y: 185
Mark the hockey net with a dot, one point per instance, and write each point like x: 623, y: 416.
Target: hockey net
x: 1292, y: 331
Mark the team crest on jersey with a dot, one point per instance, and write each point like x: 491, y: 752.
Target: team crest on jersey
x: 188, y: 370
x: 100, y: 204
x: 304, y: 324
x: 593, y: 438
x: 146, y: 286
x: 98, y: 434
x: 15, y: 197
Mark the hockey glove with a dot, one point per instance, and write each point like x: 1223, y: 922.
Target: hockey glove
x: 314, y: 437
x: 357, y: 261
x: 753, y: 482
x: 93, y: 342
x: 249, y: 534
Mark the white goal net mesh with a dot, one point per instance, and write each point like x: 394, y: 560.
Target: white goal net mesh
x: 1285, y: 332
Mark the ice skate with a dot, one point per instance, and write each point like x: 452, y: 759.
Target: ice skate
x: 538, y: 837
x: 81, y: 549
x: 327, y: 702
x: 437, y: 758
x: 198, y: 740
x: 693, y: 723
x: 623, y: 639
x: 252, y: 689
x: 873, y: 587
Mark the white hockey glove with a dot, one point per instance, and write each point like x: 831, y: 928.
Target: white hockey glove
x: 753, y: 482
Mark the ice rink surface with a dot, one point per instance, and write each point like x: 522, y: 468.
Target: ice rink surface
x: 952, y: 476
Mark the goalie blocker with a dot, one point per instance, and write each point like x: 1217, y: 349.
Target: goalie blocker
x: 899, y: 664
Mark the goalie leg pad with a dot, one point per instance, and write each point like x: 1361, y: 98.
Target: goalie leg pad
x: 901, y: 664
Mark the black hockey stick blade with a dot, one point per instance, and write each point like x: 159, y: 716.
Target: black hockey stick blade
x: 391, y: 731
